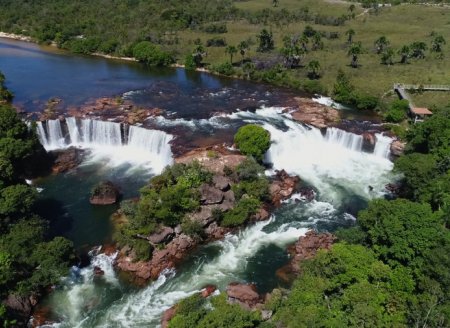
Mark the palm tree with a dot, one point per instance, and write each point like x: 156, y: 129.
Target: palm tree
x: 352, y: 8
x: 317, y: 41
x: 418, y: 49
x: 198, y: 54
x: 437, y: 43
x: 405, y: 53
x: 313, y: 69
x: 275, y: 3
x: 248, y: 69
x: 243, y: 48
x: 231, y: 50
x: 354, y: 51
x: 350, y: 33
x: 381, y: 44
x: 387, y: 57
x: 304, y: 41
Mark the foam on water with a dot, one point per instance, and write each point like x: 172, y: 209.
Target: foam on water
x: 140, y: 147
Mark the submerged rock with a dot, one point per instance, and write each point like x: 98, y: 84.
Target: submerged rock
x: 105, y: 193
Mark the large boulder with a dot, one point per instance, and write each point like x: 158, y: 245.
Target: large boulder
x: 67, y: 159
x: 397, y: 148
x: 210, y: 195
x: 163, y: 235
x: 105, y: 193
x: 244, y: 294
x: 221, y: 182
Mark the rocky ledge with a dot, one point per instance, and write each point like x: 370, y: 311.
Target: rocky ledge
x: 105, y: 193
x: 66, y: 159
x: 171, y: 245
x: 313, y: 113
x: 304, y: 249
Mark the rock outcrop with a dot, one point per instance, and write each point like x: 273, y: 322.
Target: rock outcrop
x: 222, y: 158
x: 304, y: 249
x: 67, y: 159
x: 105, y: 193
x: 397, y: 148
x: 162, y: 259
x: 163, y: 235
x: 313, y: 113
x: 245, y: 295
x: 282, y: 187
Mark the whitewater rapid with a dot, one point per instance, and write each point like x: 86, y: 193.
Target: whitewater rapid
x: 332, y: 163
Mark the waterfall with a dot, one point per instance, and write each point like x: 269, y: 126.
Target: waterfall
x: 382, y: 146
x: 141, y: 146
x: 346, y: 139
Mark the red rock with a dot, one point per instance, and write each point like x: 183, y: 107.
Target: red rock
x: 282, y: 187
x: 243, y: 294
x: 167, y: 316
x: 98, y: 271
x: 105, y: 193
x: 208, y: 291
x: 313, y: 113
x: 397, y: 148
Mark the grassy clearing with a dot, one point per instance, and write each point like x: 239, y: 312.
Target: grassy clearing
x: 431, y: 99
x: 402, y: 25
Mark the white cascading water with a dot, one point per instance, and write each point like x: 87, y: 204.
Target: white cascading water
x: 336, y: 169
x: 344, y: 139
x: 382, y: 145
x: 334, y: 164
x: 144, y: 147
x: 145, y: 307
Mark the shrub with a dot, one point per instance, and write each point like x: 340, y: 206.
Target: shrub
x: 192, y: 228
x: 224, y: 69
x: 253, y: 140
x: 128, y: 208
x: 246, y: 207
x: 397, y: 111
x: 189, y: 63
x: 216, y: 42
x: 151, y: 54
x: 365, y: 102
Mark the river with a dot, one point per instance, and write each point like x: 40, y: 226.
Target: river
x: 343, y: 175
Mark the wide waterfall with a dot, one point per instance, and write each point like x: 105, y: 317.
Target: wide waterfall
x: 108, y: 140
x: 344, y: 139
x: 382, y: 146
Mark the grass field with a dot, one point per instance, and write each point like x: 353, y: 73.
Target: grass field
x: 402, y: 25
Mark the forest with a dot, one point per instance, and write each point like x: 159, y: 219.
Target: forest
x: 31, y: 259
x: 301, y: 44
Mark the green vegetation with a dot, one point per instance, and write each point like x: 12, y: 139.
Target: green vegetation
x: 29, y: 260
x: 252, y: 140
x: 389, y: 270
x: 371, y: 44
x: 397, y: 111
x: 193, y: 312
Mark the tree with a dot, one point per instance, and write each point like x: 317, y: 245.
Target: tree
x: 404, y: 52
x: 266, y: 42
x: 354, y: 51
x: 351, y: 8
x: 381, y: 44
x: 343, y: 89
x: 248, y: 68
x: 437, y: 43
x: 291, y: 52
x: 231, y: 50
x: 275, y: 3
x: 313, y: 69
x: 304, y: 40
x: 317, y: 42
x: 418, y: 49
x: 401, y: 231
x: 350, y: 34
x: 243, y: 48
x: 387, y: 57
x: 252, y: 140
x: 151, y: 54
x: 198, y: 54
x: 397, y: 111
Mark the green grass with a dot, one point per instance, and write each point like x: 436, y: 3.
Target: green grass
x: 400, y: 24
